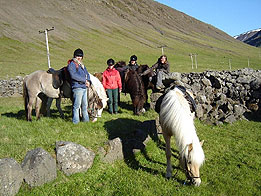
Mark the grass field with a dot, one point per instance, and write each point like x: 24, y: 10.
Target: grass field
x: 232, y: 166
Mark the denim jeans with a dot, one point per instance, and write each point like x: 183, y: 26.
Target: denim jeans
x: 80, y: 100
x: 113, y: 100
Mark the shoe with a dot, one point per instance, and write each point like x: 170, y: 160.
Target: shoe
x: 115, y: 112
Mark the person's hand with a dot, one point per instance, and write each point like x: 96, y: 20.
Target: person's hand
x: 120, y: 90
x: 87, y: 83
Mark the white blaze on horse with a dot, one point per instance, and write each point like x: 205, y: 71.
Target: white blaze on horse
x: 176, y: 119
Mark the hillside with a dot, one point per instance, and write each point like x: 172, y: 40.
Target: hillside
x: 110, y: 28
x: 252, y: 37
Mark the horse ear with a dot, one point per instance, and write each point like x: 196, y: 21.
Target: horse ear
x: 202, y: 142
x: 190, y: 147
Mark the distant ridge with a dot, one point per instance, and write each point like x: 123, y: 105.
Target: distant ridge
x: 252, y: 37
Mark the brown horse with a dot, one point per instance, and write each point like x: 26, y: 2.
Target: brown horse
x: 135, y: 87
x: 147, y: 79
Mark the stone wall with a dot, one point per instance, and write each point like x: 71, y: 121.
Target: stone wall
x: 11, y: 87
x: 221, y: 96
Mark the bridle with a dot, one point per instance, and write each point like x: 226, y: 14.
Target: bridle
x: 188, y: 171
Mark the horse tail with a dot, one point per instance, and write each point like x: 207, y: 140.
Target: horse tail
x: 26, y: 97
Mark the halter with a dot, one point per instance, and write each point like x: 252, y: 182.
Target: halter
x: 189, y: 173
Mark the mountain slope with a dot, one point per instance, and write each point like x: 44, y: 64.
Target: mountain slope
x: 252, y: 38
x: 110, y: 28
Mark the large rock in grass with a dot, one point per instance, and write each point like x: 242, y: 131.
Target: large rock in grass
x: 73, y: 158
x: 11, y: 176
x: 39, y: 167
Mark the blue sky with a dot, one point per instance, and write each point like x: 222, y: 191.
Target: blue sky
x: 231, y: 16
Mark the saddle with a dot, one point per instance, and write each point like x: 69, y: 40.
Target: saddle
x: 187, y: 96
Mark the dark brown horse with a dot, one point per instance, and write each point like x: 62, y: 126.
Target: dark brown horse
x: 135, y: 86
x: 147, y: 79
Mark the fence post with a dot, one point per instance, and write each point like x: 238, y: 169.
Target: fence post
x: 47, y: 45
x: 191, y: 57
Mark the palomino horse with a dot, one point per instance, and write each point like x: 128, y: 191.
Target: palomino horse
x: 177, y: 119
x: 37, y: 84
x: 135, y: 87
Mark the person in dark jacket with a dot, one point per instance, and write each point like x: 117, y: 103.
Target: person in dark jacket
x: 133, y: 65
x: 80, y: 81
x: 162, y: 71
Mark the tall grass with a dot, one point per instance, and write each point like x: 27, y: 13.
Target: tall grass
x: 231, y: 168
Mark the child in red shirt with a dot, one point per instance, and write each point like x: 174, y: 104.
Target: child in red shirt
x: 111, y: 82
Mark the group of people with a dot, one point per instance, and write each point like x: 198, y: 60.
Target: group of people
x: 80, y: 81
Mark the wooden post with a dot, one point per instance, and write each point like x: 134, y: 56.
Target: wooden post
x: 196, y: 61
x: 47, y: 45
x: 229, y: 63
x: 191, y: 57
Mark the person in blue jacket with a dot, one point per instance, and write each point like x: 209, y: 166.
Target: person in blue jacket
x: 80, y: 81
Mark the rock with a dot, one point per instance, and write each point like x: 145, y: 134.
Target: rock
x: 11, y: 177
x: 112, y: 151
x: 73, y: 158
x: 39, y: 167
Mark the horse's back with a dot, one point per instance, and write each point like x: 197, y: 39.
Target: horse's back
x: 41, y: 81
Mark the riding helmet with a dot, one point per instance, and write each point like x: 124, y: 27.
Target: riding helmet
x: 133, y: 58
x: 110, y: 62
x: 78, y: 52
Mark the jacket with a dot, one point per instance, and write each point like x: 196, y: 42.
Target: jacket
x: 161, y: 67
x: 78, y: 75
x: 111, y: 79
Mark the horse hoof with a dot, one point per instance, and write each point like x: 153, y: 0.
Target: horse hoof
x: 94, y: 120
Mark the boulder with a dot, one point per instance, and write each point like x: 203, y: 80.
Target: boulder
x: 73, y: 158
x: 11, y: 177
x: 39, y: 167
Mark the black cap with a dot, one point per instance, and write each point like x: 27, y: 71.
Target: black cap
x: 110, y: 62
x: 78, y: 52
x: 133, y: 58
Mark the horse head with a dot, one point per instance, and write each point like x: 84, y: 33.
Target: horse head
x: 120, y: 64
x: 191, y: 164
x: 57, y: 77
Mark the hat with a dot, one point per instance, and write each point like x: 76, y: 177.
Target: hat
x: 110, y: 62
x: 133, y: 58
x: 78, y: 52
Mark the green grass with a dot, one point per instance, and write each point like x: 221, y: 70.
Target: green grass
x: 231, y: 168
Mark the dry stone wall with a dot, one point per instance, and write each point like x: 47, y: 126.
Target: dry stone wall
x: 221, y: 96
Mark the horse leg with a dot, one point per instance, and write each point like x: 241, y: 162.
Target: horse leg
x: 30, y: 108
x: 48, y: 106
x: 58, y: 105
x: 38, y: 107
x: 168, y: 155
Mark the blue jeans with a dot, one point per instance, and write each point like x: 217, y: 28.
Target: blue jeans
x: 80, y: 100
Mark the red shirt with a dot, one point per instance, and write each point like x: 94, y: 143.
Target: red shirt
x: 111, y: 79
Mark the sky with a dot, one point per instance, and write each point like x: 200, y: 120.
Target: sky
x: 231, y: 16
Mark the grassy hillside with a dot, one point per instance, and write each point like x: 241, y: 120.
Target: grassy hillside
x: 117, y: 29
